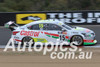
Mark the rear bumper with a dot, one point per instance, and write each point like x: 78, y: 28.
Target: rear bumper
x: 16, y: 41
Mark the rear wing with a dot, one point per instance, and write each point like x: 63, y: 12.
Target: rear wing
x: 11, y: 25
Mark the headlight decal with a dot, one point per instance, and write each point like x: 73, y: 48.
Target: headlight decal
x: 86, y: 35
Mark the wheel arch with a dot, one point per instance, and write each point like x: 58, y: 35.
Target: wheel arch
x: 24, y: 37
x: 76, y: 35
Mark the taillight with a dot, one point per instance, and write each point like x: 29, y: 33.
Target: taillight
x: 15, y: 32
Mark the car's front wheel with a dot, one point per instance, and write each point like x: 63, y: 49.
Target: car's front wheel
x: 77, y: 39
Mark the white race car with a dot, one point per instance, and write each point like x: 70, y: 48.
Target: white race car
x: 49, y: 31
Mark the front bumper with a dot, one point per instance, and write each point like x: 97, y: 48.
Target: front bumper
x: 93, y: 42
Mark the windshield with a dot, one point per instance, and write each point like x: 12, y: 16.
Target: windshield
x: 67, y: 27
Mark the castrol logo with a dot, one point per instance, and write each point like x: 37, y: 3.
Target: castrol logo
x: 29, y: 33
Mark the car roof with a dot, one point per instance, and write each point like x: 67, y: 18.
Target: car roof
x: 45, y: 21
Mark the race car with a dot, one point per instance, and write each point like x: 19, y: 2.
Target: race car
x: 51, y: 30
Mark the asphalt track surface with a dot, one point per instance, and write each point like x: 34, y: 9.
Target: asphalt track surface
x: 5, y: 34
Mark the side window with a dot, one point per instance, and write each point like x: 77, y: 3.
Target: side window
x: 54, y: 27
x: 45, y: 26
x: 51, y: 27
x: 34, y: 27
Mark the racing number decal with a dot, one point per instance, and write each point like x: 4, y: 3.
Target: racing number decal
x: 62, y: 37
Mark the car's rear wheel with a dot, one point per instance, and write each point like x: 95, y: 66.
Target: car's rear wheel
x: 27, y: 40
x: 77, y: 39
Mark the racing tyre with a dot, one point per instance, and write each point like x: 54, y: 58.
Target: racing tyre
x: 27, y: 39
x: 77, y: 39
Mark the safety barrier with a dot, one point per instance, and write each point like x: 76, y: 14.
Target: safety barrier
x: 70, y: 17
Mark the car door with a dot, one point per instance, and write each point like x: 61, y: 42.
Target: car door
x: 53, y: 32
x: 38, y: 35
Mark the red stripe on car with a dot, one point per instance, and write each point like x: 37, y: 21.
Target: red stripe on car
x: 18, y: 40
x: 66, y: 37
x: 51, y: 34
x: 88, y: 40
x: 15, y: 32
